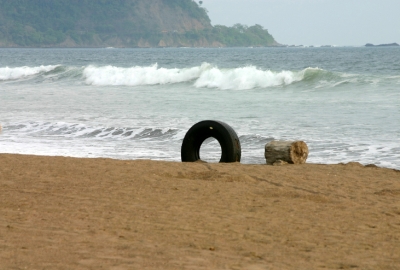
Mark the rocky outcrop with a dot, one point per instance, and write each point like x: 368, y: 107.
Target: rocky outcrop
x: 382, y: 45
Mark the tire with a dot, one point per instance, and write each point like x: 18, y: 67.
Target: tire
x: 223, y: 133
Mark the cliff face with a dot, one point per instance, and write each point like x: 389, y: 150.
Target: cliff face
x: 111, y: 23
x: 171, y: 20
x: 169, y: 17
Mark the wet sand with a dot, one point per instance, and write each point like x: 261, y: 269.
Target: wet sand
x: 70, y: 213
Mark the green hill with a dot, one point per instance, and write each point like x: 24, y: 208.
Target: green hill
x: 118, y: 23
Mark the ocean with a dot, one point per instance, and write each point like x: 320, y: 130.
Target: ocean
x: 344, y: 102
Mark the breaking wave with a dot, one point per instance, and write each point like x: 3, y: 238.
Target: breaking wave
x: 7, y: 73
x: 79, y: 130
x: 204, y: 76
x: 70, y: 130
x: 134, y: 76
x: 245, y: 78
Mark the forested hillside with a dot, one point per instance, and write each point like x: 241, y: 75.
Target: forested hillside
x: 119, y: 23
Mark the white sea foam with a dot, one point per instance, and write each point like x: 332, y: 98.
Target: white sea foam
x: 210, y: 76
x: 68, y: 130
x: 204, y: 76
x: 54, y: 138
x: 245, y: 78
x: 7, y: 73
x: 134, y: 76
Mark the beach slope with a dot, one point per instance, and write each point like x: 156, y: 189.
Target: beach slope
x: 70, y: 213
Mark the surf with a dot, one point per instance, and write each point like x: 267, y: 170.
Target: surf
x: 15, y: 73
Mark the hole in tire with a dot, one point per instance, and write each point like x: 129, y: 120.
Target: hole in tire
x: 210, y: 151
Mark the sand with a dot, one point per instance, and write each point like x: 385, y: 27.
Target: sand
x: 70, y: 213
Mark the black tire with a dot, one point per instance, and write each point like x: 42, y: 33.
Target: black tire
x: 223, y: 133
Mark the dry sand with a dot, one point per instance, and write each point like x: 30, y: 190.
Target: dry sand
x: 69, y: 213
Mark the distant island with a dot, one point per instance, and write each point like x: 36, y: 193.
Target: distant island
x: 382, y: 45
x: 122, y: 23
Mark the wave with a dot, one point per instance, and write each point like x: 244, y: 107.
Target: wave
x: 7, y: 73
x: 209, y: 76
x: 135, y: 76
x: 77, y: 139
x: 82, y: 131
x: 70, y: 130
x: 204, y: 76
x: 245, y: 78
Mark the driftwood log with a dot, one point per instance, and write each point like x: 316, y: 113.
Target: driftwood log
x: 293, y: 152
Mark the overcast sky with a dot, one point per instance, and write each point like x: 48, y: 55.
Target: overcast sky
x: 314, y: 22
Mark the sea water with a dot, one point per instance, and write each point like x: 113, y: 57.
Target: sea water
x: 139, y: 103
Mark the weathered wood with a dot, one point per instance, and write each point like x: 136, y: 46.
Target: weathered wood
x: 293, y: 152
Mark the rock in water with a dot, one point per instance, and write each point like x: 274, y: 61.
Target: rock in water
x: 293, y: 152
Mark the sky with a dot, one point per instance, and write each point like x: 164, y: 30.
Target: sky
x: 314, y: 22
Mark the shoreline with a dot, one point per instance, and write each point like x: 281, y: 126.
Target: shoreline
x: 64, y: 212
x: 357, y: 163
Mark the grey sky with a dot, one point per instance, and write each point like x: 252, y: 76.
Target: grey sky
x: 314, y: 22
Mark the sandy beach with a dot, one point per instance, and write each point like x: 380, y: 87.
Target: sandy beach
x: 70, y: 213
